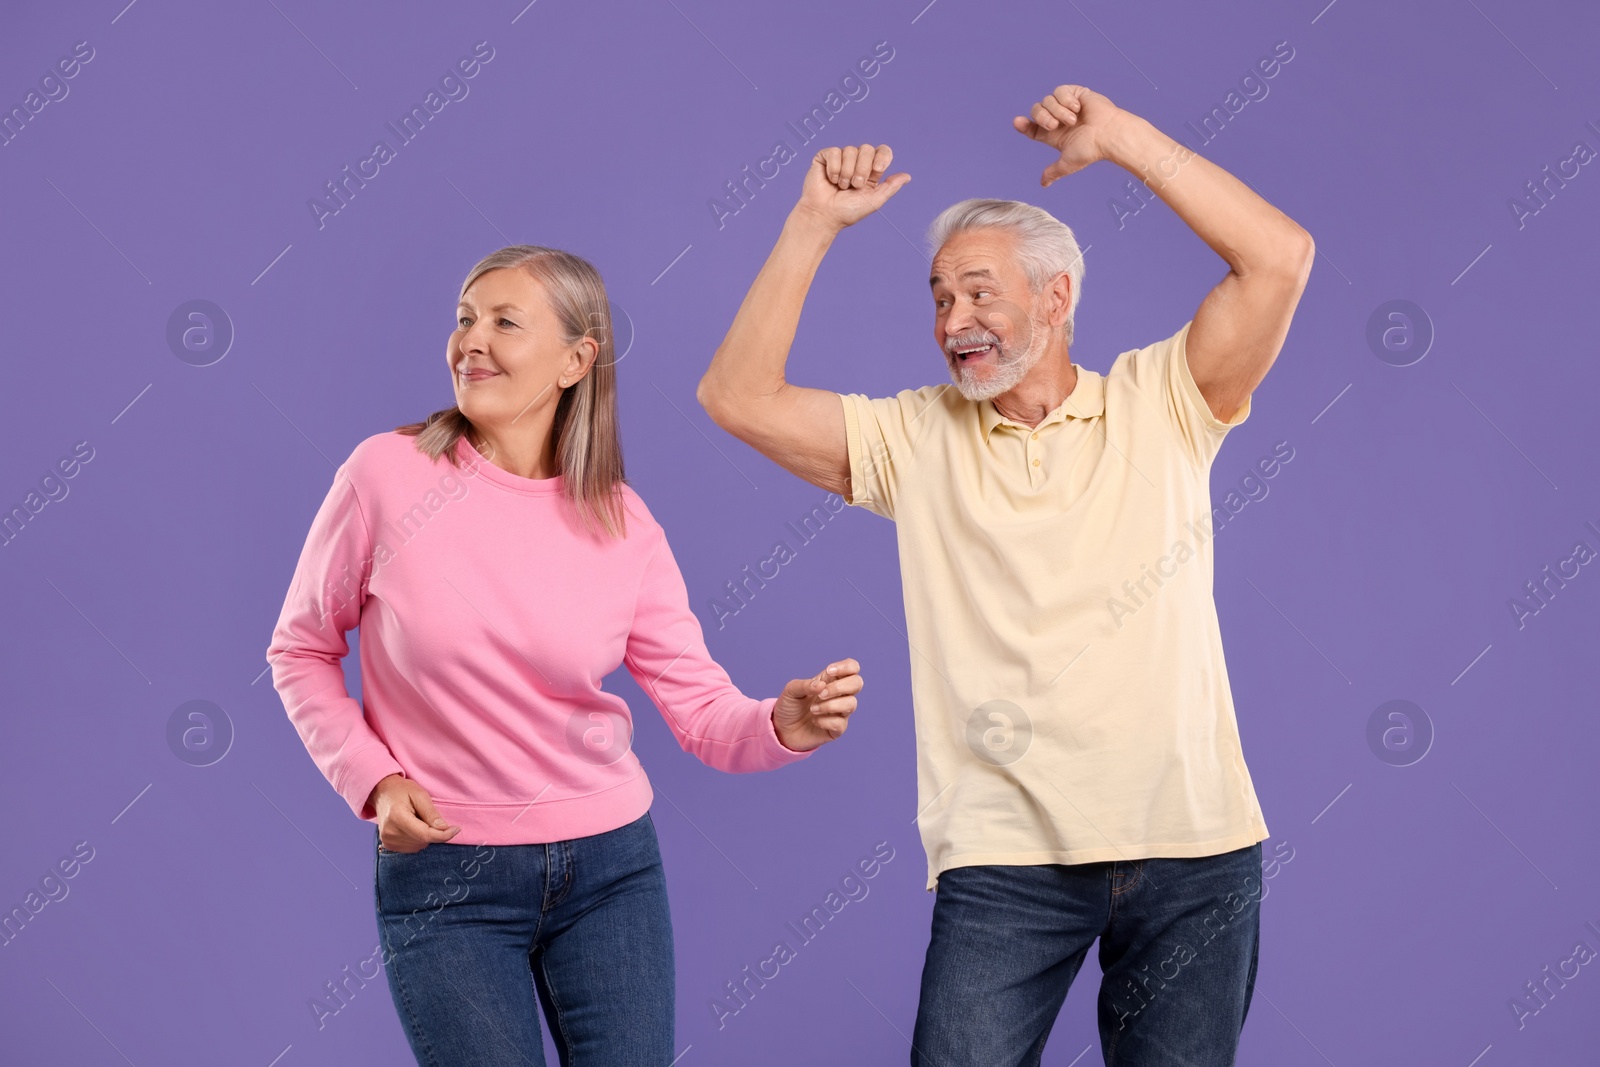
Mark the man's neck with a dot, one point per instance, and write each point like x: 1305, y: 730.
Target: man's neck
x: 1041, y: 392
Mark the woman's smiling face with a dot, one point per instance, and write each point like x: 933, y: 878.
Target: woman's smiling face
x: 506, y: 354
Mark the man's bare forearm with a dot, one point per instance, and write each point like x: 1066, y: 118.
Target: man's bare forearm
x: 744, y: 390
x: 750, y: 361
x: 1246, y: 231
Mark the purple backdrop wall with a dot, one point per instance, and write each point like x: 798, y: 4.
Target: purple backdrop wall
x: 1442, y: 460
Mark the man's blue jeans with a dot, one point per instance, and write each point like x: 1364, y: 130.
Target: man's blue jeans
x: 468, y: 932
x: 1178, y: 940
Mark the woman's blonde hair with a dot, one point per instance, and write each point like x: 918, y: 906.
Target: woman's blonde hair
x: 588, y: 446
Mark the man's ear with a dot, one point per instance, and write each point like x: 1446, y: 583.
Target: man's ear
x: 1060, y: 290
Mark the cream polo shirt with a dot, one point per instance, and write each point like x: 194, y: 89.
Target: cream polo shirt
x: 1067, y: 676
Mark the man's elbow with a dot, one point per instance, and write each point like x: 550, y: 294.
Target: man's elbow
x: 1300, y: 251
x: 714, y: 399
x: 729, y: 407
x: 1286, y: 264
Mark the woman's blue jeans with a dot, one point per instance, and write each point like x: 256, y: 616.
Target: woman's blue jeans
x: 469, y: 932
x: 1178, y: 941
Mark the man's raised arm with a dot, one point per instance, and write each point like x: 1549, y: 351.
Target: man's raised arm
x: 1241, y: 324
x: 744, y: 390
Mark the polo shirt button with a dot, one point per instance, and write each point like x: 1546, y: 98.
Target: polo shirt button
x: 1035, y: 463
x: 1035, y: 437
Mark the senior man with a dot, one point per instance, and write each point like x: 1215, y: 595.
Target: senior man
x: 1079, y: 768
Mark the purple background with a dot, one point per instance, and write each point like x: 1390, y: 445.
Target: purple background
x: 1380, y: 566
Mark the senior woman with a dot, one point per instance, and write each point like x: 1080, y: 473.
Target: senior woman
x: 499, y: 567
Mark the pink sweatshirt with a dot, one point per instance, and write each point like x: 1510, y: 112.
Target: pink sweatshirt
x: 488, y: 620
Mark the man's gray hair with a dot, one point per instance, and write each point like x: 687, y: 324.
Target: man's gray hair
x: 1046, y: 246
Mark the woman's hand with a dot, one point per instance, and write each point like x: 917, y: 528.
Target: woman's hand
x: 813, y: 711
x: 407, y: 819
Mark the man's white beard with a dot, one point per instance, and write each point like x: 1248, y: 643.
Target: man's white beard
x: 1009, y: 370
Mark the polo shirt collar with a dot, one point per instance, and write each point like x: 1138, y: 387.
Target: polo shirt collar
x: 1087, y: 400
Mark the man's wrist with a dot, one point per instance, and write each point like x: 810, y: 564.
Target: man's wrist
x: 1144, y: 151
x: 806, y: 223
x: 1129, y: 140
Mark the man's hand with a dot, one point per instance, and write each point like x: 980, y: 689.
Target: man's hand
x: 407, y: 819
x: 845, y: 185
x: 813, y: 711
x: 1077, y: 123
x: 1241, y: 325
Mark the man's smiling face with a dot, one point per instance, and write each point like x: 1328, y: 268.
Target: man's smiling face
x: 984, y: 313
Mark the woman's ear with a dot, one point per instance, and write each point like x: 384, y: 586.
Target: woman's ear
x: 580, y: 359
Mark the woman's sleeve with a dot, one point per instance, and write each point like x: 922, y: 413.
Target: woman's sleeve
x: 667, y: 656
x: 308, y: 643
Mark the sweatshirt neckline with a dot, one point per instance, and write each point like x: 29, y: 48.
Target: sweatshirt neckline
x: 474, y: 461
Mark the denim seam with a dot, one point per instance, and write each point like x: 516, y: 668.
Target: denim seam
x: 565, y: 849
x: 1116, y: 1035
x: 555, y: 1005
x: 1035, y: 1054
x: 405, y: 992
x: 544, y: 901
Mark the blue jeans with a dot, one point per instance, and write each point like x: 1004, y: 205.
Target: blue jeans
x: 469, y: 931
x: 1178, y: 940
